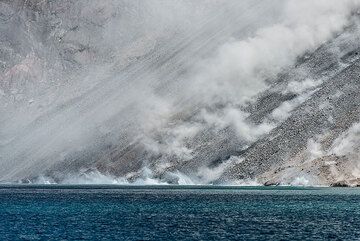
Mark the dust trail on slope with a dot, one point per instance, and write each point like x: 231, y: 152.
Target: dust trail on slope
x: 175, y: 67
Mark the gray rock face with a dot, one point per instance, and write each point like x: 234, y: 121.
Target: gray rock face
x: 330, y: 110
x: 307, y: 121
x: 113, y: 87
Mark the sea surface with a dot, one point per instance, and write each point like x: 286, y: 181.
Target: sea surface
x: 53, y: 212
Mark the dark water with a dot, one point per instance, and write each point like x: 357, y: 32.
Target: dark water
x: 161, y: 213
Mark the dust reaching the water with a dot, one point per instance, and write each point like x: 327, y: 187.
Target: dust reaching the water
x: 152, y: 92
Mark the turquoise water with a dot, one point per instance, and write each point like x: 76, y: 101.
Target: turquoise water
x: 178, y: 213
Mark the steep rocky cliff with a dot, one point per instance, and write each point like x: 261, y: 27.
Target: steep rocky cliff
x: 180, y: 92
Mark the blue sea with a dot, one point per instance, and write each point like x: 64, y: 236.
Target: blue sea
x: 53, y: 212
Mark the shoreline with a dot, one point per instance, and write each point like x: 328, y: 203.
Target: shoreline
x: 164, y: 187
